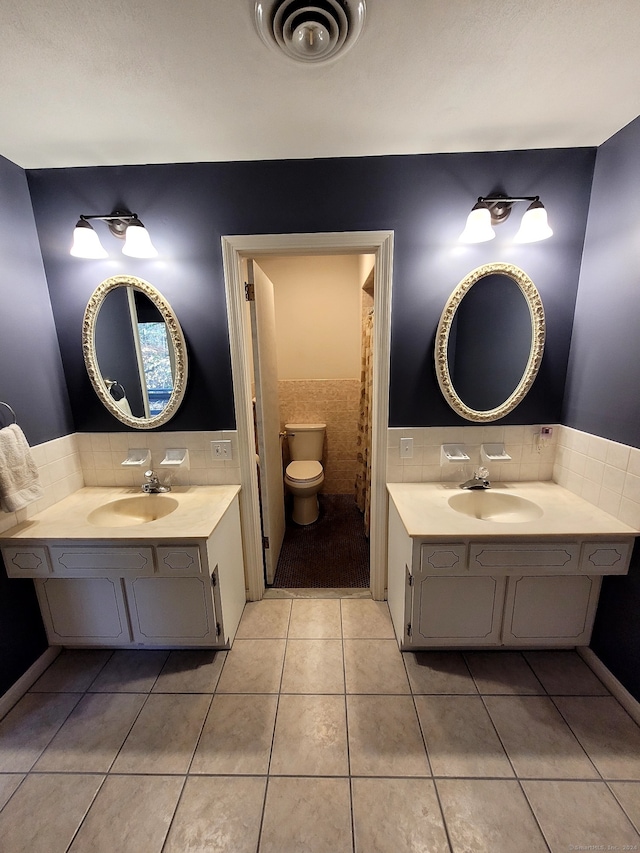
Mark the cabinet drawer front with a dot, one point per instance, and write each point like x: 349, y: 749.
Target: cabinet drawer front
x: 26, y: 562
x: 535, y: 557
x: 178, y: 559
x: 123, y: 562
x: 448, y: 557
x: 605, y: 558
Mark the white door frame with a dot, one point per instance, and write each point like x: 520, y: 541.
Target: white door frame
x: 234, y: 249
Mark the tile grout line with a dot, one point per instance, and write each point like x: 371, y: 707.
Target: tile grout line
x: 518, y: 779
x: 106, y: 773
x: 346, y: 724
x: 619, y: 802
x: 268, y: 776
x: 426, y: 750
x: 86, y: 813
x: 175, y: 811
x: 576, y: 738
x: 504, y: 748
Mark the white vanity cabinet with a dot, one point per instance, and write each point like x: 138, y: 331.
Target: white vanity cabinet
x: 473, y: 591
x: 162, y: 593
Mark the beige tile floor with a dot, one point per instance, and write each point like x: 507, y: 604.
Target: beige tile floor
x: 314, y: 734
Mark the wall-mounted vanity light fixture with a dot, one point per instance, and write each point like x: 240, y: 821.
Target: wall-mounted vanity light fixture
x: 122, y: 224
x: 495, y: 209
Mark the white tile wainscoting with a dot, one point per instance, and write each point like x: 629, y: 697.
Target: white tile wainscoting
x: 101, y: 456
x: 60, y: 472
x: 603, y: 472
x: 425, y: 465
x: 94, y: 459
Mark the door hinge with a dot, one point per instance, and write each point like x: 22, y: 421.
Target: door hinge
x: 249, y: 291
x: 410, y: 580
x: 218, y: 629
x: 409, y: 629
x: 265, y: 543
x: 214, y: 580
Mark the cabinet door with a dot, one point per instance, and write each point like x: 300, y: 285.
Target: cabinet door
x: 173, y: 611
x: 84, y: 611
x: 550, y: 611
x: 225, y: 562
x: 456, y: 611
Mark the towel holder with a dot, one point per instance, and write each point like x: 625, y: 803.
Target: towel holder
x: 15, y: 420
x: 113, y: 383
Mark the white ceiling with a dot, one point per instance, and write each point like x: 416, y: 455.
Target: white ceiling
x: 164, y: 81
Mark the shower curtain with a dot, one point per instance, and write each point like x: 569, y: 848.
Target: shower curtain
x: 363, y: 475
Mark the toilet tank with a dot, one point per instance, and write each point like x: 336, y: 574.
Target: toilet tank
x: 305, y: 441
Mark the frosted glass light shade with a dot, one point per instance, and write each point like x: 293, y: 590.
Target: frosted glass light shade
x: 137, y: 242
x: 478, y: 228
x: 534, y: 225
x: 86, y: 243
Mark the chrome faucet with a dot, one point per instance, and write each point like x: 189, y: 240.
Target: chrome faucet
x: 152, y: 484
x: 480, y: 480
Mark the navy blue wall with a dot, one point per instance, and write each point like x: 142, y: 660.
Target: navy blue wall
x: 31, y: 376
x: 32, y: 382
x: 603, y: 387
x: 603, y: 393
x: 423, y: 199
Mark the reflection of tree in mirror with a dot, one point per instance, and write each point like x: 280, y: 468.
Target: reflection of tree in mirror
x: 156, y: 359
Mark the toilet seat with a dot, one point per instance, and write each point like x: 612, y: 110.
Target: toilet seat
x: 304, y: 471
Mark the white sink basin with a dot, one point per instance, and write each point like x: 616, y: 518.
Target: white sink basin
x: 495, y: 506
x: 140, y: 509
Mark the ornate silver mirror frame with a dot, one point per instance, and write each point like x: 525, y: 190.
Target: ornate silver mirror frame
x: 536, y: 310
x: 175, y: 337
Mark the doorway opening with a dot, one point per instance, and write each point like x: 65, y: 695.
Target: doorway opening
x: 237, y: 251
x: 310, y: 347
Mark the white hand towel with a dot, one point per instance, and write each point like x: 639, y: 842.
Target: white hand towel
x: 19, y: 479
x: 123, y: 405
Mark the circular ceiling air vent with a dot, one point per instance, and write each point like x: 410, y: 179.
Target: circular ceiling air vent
x: 310, y: 30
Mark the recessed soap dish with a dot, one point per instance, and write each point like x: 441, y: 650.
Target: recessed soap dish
x: 138, y: 456
x: 177, y: 457
x: 494, y: 452
x: 453, y: 453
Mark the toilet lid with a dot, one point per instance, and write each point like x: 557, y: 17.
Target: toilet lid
x: 304, y: 470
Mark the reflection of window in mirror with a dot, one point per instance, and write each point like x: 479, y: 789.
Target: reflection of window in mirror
x: 154, y: 353
x: 156, y: 363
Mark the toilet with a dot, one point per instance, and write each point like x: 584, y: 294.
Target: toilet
x: 304, y: 475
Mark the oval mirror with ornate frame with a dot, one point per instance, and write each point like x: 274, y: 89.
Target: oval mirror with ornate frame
x: 134, y: 351
x: 495, y: 336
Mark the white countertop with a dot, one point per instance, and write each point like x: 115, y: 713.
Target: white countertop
x: 425, y: 512
x: 199, y: 511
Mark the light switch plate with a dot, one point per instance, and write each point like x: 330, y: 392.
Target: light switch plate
x: 221, y: 450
